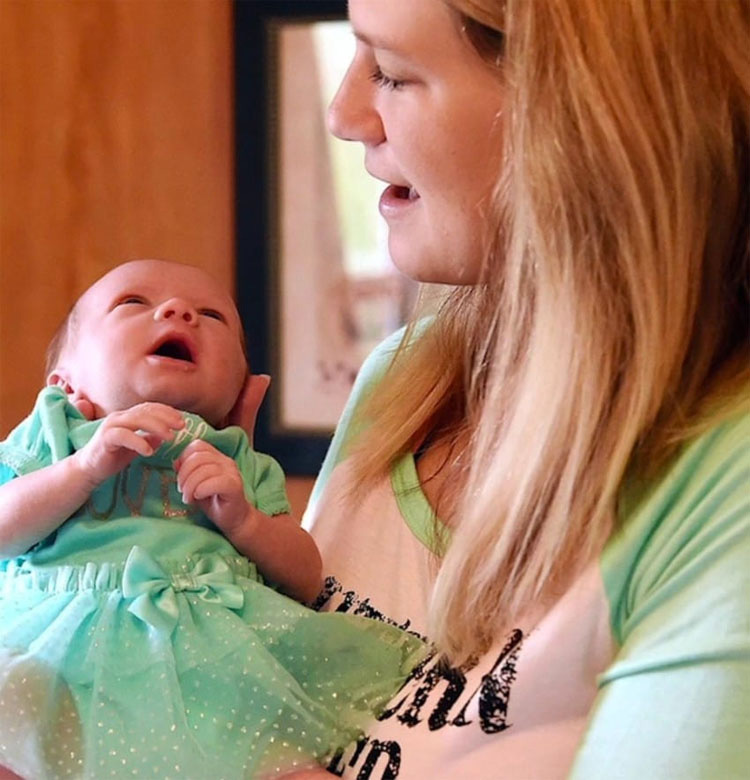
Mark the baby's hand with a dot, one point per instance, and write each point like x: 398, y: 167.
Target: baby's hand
x: 122, y: 436
x: 212, y: 480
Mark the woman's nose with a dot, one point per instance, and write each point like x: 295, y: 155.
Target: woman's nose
x: 176, y: 309
x: 351, y: 114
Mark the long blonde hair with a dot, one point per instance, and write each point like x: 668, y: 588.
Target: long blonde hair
x: 612, y: 322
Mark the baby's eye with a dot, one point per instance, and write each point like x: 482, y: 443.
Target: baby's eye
x: 132, y: 299
x: 212, y: 314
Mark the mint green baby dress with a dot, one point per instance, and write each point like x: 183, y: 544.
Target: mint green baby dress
x: 136, y: 642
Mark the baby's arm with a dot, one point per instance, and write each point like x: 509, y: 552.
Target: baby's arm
x: 283, y: 551
x: 35, y: 504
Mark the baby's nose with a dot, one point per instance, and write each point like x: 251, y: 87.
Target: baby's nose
x: 176, y: 308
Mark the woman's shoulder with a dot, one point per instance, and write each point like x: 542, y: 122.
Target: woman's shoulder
x: 373, y: 370
x: 691, y: 524
x: 709, y: 472
x: 378, y: 361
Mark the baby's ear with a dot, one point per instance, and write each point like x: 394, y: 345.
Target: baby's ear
x: 61, y: 378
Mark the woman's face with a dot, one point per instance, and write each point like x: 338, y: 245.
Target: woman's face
x: 425, y: 107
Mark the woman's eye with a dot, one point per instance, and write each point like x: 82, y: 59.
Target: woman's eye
x: 212, y: 314
x: 384, y: 81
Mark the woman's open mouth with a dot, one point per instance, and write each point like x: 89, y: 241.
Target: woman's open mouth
x: 396, y: 199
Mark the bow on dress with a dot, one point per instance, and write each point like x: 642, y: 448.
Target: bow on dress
x: 154, y: 591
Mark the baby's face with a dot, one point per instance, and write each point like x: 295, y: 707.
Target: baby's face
x: 156, y: 331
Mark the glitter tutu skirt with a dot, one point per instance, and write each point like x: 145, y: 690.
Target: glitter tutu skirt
x: 187, y: 669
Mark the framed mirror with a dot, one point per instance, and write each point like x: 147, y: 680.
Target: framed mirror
x: 315, y: 286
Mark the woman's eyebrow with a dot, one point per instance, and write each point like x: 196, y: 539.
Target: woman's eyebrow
x: 374, y: 42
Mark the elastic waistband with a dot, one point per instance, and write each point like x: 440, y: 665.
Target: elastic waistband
x: 107, y: 576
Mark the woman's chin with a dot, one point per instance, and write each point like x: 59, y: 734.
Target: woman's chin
x: 430, y: 267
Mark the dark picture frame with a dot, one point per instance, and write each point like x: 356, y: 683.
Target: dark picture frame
x: 256, y: 23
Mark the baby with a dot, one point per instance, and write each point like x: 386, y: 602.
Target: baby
x: 136, y: 634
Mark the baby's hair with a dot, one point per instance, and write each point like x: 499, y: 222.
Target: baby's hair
x: 60, y: 340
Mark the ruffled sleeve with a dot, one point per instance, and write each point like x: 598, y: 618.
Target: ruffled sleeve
x: 55, y: 429
x: 264, y: 478
x: 41, y: 439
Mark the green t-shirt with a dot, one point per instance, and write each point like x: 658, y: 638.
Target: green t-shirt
x: 143, y: 498
x: 641, y: 670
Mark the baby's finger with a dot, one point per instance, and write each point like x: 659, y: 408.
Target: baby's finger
x: 199, y: 446
x: 167, y: 415
x: 199, y: 451
x: 154, y: 441
x: 156, y: 419
x: 123, y: 438
x: 191, y: 476
x: 187, y: 463
x: 217, y: 485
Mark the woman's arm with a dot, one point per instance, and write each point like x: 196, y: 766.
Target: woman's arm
x: 676, y: 700
x: 662, y: 713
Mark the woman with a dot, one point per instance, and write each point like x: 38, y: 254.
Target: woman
x: 549, y: 478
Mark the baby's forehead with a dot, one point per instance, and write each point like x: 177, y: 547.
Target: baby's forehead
x: 159, y: 278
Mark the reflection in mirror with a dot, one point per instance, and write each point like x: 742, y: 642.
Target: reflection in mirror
x: 338, y: 292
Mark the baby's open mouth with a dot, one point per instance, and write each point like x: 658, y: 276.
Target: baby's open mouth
x: 174, y: 348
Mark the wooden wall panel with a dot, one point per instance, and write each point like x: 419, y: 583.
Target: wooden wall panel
x: 115, y: 142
